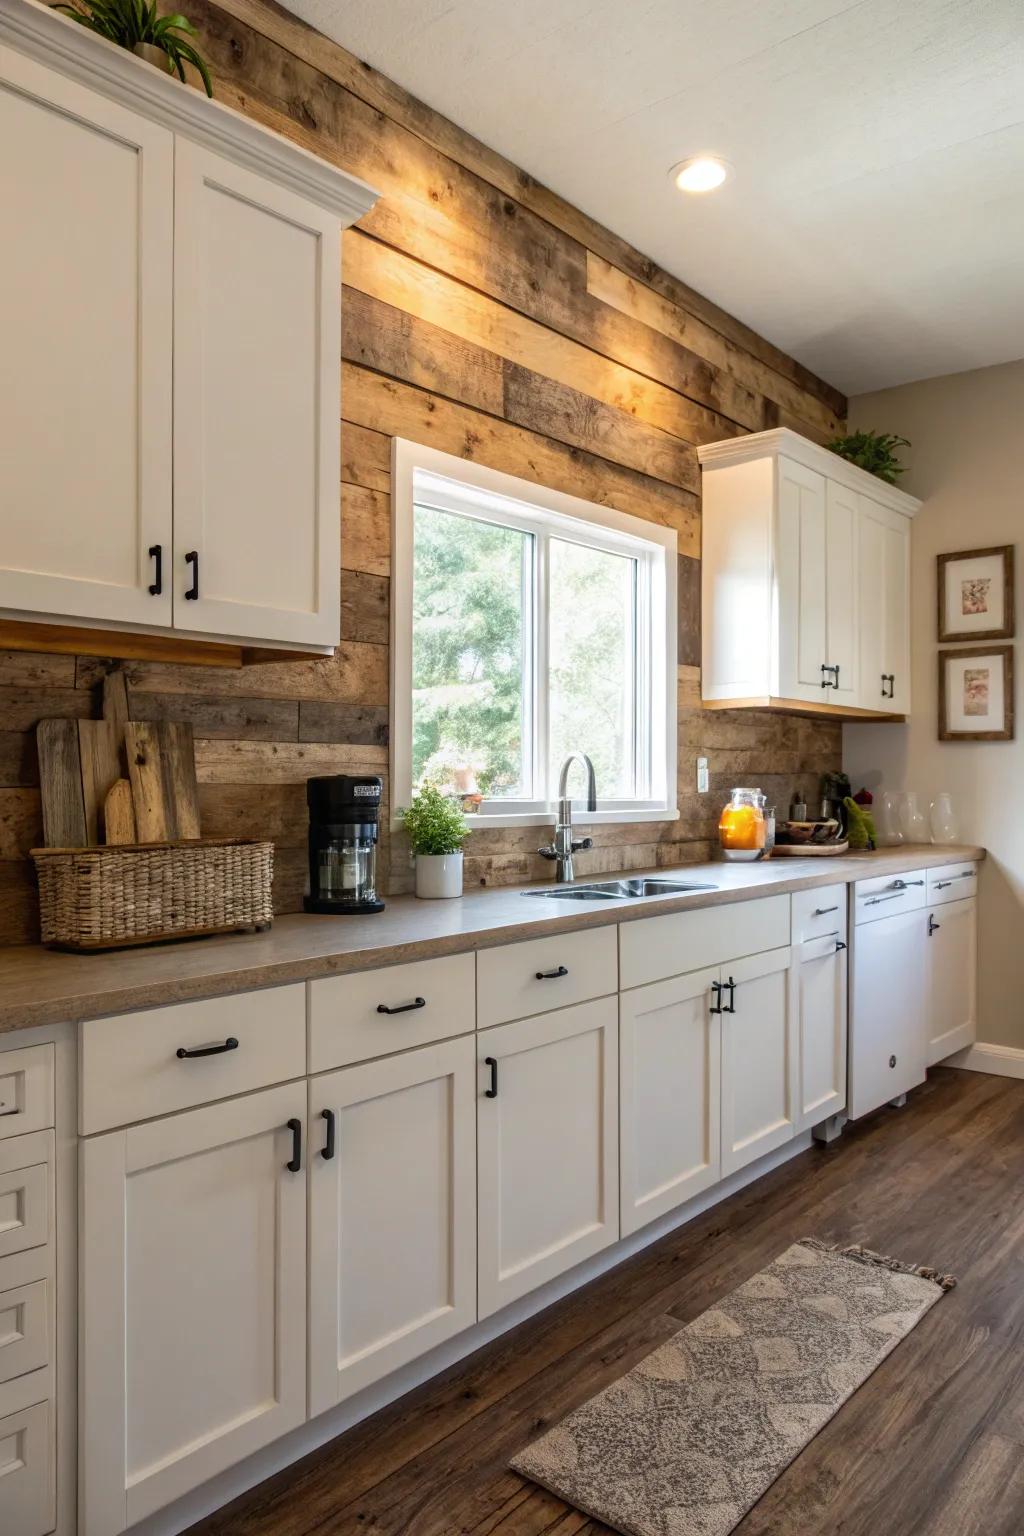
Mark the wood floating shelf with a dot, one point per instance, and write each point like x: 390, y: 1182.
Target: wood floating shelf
x: 808, y: 709
x: 70, y: 640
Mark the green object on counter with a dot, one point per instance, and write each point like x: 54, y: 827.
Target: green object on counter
x: 860, y: 825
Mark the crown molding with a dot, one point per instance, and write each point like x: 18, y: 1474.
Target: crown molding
x: 782, y: 440
x: 63, y: 45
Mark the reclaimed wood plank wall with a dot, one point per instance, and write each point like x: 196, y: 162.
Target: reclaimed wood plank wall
x: 484, y: 315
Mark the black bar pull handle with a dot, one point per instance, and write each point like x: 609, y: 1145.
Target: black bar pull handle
x: 839, y: 945
x: 890, y: 678
x: 294, y: 1163
x: 730, y: 1006
x: 551, y: 975
x: 192, y: 559
x: 417, y: 1002
x: 327, y: 1150
x: 933, y: 926
x: 184, y: 1054
x: 716, y: 1006
x: 828, y: 681
x: 824, y: 911
x: 492, y: 1063
x: 156, y: 553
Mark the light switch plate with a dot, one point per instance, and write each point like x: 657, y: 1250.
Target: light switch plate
x: 702, y: 776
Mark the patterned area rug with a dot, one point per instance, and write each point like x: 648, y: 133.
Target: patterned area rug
x: 688, y: 1441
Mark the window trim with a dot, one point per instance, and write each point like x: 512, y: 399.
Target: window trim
x: 655, y: 544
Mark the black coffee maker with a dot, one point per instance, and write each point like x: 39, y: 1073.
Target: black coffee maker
x: 344, y: 820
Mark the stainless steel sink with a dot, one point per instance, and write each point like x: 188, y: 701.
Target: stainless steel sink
x: 611, y: 890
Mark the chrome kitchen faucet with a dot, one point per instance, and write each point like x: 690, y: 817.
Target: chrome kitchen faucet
x: 563, y: 847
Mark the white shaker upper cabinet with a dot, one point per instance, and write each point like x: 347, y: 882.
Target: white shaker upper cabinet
x: 805, y: 564
x: 170, y: 352
x: 884, y: 586
x: 256, y: 405
x: 87, y: 193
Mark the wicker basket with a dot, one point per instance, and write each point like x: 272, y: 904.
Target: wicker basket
x: 143, y: 893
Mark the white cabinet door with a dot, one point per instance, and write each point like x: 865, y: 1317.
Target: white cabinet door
x: 887, y: 1030
x: 759, y: 1057
x: 883, y: 576
x: 547, y: 1147
x: 952, y: 959
x: 669, y: 1090
x: 87, y: 190
x: 841, y: 515
x: 821, y: 976
x: 802, y: 580
x: 257, y: 281
x: 392, y: 1214
x: 896, y: 613
x: 192, y: 1302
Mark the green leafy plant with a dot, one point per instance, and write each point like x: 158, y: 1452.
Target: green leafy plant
x: 435, y: 823
x: 131, y: 22
x: 873, y: 451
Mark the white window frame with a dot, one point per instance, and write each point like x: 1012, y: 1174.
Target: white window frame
x: 453, y: 484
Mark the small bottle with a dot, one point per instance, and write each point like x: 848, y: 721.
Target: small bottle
x: 798, y: 809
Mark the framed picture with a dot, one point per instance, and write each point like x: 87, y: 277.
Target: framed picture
x: 976, y: 694
x: 976, y: 594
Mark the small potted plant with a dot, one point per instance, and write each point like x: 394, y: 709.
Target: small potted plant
x: 437, y: 829
x: 161, y: 40
x: 873, y: 451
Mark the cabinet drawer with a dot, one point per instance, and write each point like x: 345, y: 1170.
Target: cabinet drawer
x: 655, y: 948
x: 952, y: 882
x: 819, y: 912
x: 131, y: 1069
x: 517, y: 980
x: 889, y: 895
x: 27, y: 1471
x: 25, y: 1164
x: 372, y: 1013
x: 26, y: 1090
x: 24, y: 1329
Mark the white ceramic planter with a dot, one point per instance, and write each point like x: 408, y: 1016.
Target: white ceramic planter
x: 438, y: 874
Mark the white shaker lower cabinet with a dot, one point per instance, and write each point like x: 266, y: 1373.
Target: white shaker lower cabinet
x: 887, y: 1020
x: 26, y: 1469
x: 192, y: 1300
x: 392, y: 1173
x: 759, y: 1057
x: 670, y: 1057
x: 821, y: 993
x: 951, y: 1020
x: 547, y: 1147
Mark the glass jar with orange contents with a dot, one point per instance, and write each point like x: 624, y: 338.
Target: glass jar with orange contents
x: 741, y: 829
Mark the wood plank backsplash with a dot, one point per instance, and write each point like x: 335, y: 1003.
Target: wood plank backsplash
x: 487, y: 317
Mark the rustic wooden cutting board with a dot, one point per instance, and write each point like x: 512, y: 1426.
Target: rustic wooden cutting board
x: 161, y: 768
x: 99, y: 745
x: 60, y: 784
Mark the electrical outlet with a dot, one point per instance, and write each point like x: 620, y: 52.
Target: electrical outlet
x: 703, y: 783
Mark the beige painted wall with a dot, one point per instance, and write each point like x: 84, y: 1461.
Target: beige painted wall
x: 967, y: 464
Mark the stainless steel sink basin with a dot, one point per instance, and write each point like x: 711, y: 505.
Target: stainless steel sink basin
x: 611, y: 890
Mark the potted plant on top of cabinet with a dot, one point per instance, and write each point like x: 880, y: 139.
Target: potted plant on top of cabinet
x: 437, y: 829
x: 134, y: 25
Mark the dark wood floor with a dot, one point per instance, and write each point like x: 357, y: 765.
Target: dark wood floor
x: 932, y: 1445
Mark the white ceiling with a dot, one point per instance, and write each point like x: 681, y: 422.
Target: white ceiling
x: 874, y: 226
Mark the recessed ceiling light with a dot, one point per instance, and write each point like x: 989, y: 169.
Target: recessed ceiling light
x: 700, y: 173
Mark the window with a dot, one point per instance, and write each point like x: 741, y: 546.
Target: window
x: 528, y: 625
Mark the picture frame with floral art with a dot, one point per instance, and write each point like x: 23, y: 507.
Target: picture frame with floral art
x: 976, y: 594
x: 976, y: 694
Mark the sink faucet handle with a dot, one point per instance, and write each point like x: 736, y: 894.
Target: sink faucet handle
x: 548, y: 852
x: 582, y: 842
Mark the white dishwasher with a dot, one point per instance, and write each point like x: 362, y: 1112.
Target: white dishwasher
x: 887, y: 990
